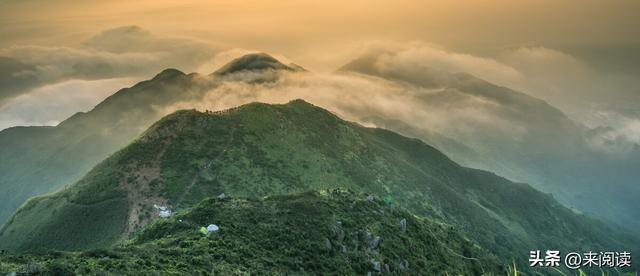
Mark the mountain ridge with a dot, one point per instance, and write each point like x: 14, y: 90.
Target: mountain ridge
x: 41, y: 161
x: 64, y: 153
x: 289, y: 148
x: 521, y: 137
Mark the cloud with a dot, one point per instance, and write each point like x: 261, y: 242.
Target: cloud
x: 537, y: 59
x: 571, y: 83
x: 15, y: 78
x: 461, y: 92
x: 411, y: 60
x: 122, y: 52
x: 56, y: 63
x: 551, y: 74
x: 427, y: 66
x: 183, y: 53
x: 357, y: 97
x: 600, y: 100
x: 51, y: 104
x: 616, y: 134
x: 565, y: 81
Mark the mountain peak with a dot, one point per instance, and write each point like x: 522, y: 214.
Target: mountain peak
x: 167, y: 73
x: 255, y: 62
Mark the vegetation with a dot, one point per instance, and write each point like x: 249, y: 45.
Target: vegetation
x: 39, y: 160
x: 333, y: 232
x: 260, y: 150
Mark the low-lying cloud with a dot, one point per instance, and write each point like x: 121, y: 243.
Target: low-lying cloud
x: 574, y: 86
x: 358, y: 97
x: 596, y: 98
x: 616, y: 133
x: 412, y: 59
x: 122, y: 52
x: 431, y: 71
x: 51, y: 104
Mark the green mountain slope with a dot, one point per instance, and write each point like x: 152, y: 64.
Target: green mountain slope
x: 259, y: 150
x: 39, y: 160
x: 529, y: 141
x: 518, y: 136
x: 336, y: 232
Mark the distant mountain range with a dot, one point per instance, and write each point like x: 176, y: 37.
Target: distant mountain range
x: 515, y: 135
x: 40, y: 160
x: 533, y: 142
x: 259, y: 150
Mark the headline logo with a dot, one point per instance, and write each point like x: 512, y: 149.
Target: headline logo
x: 574, y: 260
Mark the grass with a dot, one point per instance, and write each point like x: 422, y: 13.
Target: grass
x: 279, y: 235
x: 260, y: 150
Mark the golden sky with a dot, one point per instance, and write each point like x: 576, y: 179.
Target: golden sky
x: 295, y: 28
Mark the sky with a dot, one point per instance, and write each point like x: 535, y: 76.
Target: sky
x: 580, y: 56
x: 588, y: 27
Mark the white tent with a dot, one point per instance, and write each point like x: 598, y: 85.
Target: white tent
x: 213, y: 228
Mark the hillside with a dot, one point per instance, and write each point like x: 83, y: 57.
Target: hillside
x: 516, y: 135
x: 260, y: 150
x: 40, y: 160
x: 511, y: 131
x: 530, y: 142
x: 337, y: 232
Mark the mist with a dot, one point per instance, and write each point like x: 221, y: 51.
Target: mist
x: 474, y: 122
x: 52, y: 104
x: 127, y: 51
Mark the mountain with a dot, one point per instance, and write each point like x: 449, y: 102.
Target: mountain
x: 260, y: 150
x: 478, y: 124
x: 513, y: 134
x: 255, y: 62
x: 309, y: 233
x: 506, y: 123
x: 40, y: 160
